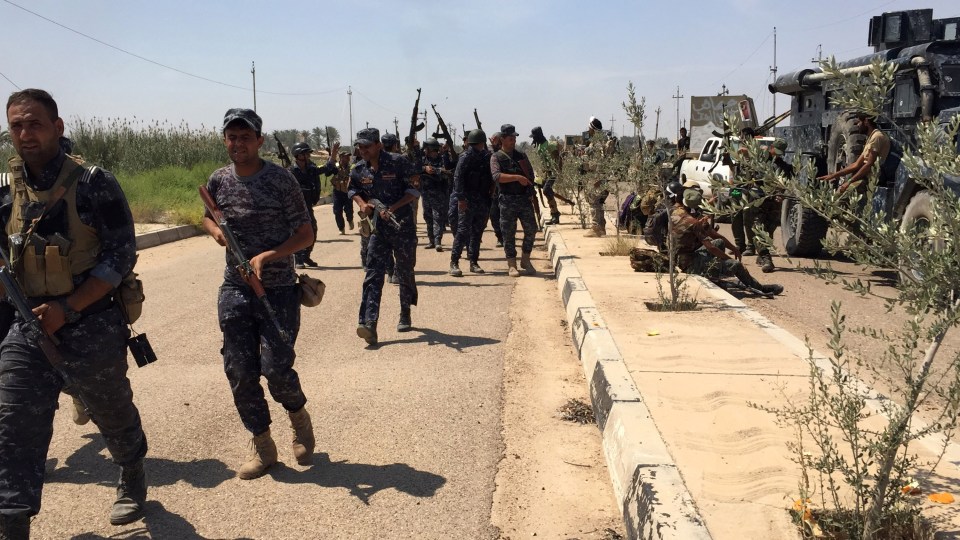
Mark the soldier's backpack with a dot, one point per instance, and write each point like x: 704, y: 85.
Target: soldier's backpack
x: 655, y: 230
x: 648, y: 260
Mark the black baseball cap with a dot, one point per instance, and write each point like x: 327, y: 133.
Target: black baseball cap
x: 368, y: 136
x: 507, y: 130
x: 247, y: 116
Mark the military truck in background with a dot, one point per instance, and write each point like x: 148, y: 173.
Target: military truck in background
x: 926, y: 52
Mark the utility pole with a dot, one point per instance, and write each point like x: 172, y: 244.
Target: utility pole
x: 678, y: 97
x: 253, y: 71
x: 426, y: 125
x: 724, y: 91
x: 656, y: 127
x: 611, y: 123
x: 773, y: 69
x: 350, y: 100
x: 819, y: 57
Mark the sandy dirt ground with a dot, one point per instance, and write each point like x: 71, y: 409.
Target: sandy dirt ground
x: 411, y: 435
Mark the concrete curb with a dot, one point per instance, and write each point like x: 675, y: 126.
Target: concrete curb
x: 163, y: 236
x: 655, y: 502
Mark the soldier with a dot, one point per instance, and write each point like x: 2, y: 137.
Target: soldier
x: 683, y: 143
x: 472, y: 184
x: 549, y: 152
x: 264, y: 207
x: 767, y: 212
x: 433, y: 188
x: 342, y: 206
x: 387, y: 178
x: 308, y: 176
x: 512, y: 171
x: 700, y: 247
x: 75, y: 303
x: 495, y: 145
x: 876, y: 150
x: 598, y: 146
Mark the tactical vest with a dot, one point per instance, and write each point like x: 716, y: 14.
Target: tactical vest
x: 51, y: 272
x: 509, y: 165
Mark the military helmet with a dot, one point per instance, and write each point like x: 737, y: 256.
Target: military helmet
x: 301, y: 148
x: 477, y: 136
x: 431, y: 143
x: 674, y: 190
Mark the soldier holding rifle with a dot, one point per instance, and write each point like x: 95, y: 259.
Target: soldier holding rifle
x: 263, y: 206
x: 511, y: 170
x: 79, y: 213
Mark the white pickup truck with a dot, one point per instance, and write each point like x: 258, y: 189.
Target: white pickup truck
x: 706, y: 165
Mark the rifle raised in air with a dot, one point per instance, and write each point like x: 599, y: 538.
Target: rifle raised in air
x: 282, y: 152
x: 443, y: 132
x: 243, y: 265
x: 414, y: 127
x: 477, y: 118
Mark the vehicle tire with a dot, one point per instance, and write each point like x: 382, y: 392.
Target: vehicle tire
x: 802, y: 229
x: 845, y: 145
x: 918, y: 216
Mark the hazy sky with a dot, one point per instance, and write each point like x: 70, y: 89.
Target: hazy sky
x: 538, y: 62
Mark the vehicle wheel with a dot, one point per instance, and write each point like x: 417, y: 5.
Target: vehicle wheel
x: 918, y: 217
x: 845, y: 145
x: 802, y: 229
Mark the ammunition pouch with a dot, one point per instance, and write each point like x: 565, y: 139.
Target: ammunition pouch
x: 311, y: 290
x: 130, y: 297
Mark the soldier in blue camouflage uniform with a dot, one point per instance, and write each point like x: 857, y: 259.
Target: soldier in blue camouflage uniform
x: 512, y: 171
x: 94, y: 217
x: 453, y: 210
x: 389, y: 179
x: 308, y: 176
x: 472, y: 185
x: 433, y: 187
x: 263, y: 205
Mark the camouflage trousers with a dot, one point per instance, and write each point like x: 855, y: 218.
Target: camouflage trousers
x: 703, y: 263
x: 94, y: 354
x: 386, y: 245
x: 365, y: 248
x: 304, y: 253
x: 597, y: 200
x: 342, y: 206
x: 252, y: 348
x: 766, y: 215
x: 435, y: 213
x: 470, y: 228
x: 513, y: 208
x: 453, y: 215
x: 551, y: 198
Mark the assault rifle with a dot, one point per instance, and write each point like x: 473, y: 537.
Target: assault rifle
x: 374, y: 219
x: 414, y: 127
x: 32, y: 328
x: 243, y: 266
x: 528, y: 172
x: 477, y: 118
x: 443, y: 132
x: 282, y: 152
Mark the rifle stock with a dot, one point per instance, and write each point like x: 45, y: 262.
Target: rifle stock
x: 244, y: 267
x: 444, y: 132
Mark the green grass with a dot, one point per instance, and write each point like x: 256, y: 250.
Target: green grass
x: 168, y: 194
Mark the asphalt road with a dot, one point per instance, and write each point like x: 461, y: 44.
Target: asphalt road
x: 408, y: 433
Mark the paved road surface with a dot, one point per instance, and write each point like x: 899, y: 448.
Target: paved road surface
x: 408, y: 434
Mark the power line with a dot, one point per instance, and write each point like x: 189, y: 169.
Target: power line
x: 159, y: 64
x: 375, y: 103
x: 9, y: 81
x: 732, y: 71
x: 858, y: 15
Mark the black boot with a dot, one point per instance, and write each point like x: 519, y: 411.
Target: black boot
x: 773, y: 289
x: 405, y: 324
x: 15, y: 527
x: 475, y: 268
x: 131, y: 495
x: 455, y: 269
x: 368, y: 331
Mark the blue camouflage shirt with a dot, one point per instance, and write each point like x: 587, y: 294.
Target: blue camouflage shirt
x: 388, y: 184
x: 263, y: 210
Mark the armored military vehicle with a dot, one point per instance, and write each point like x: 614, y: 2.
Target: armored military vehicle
x: 926, y: 52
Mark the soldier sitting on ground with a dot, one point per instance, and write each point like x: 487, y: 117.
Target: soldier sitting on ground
x: 700, y: 247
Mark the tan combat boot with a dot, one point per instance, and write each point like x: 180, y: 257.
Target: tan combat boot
x: 526, y: 265
x: 264, y: 455
x: 303, y: 440
x: 512, y: 267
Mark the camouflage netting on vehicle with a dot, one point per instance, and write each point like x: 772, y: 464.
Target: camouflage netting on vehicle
x: 648, y: 260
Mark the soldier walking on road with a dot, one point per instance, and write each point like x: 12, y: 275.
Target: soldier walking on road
x: 598, y: 146
x: 264, y: 207
x: 339, y: 170
x: 496, y: 143
x: 308, y: 176
x: 472, y: 185
x: 75, y: 303
x: 549, y: 152
x: 388, y: 179
x: 512, y: 171
x: 435, y: 193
